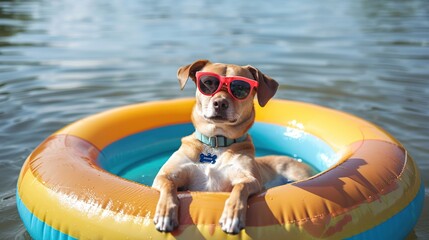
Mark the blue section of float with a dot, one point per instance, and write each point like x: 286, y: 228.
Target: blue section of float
x: 401, y: 222
x: 37, y: 228
x: 138, y: 157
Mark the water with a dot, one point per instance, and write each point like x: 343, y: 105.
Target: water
x: 64, y: 60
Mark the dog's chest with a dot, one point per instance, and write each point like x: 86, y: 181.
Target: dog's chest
x: 211, y: 171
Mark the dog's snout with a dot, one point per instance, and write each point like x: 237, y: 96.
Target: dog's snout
x: 220, y: 104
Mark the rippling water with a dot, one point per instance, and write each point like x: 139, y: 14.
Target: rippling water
x: 63, y: 60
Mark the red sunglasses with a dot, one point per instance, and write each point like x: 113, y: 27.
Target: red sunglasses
x: 239, y: 87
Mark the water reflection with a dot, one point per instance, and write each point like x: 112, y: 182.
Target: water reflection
x: 11, y: 19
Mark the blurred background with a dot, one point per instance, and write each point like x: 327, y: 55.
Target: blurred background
x: 63, y: 60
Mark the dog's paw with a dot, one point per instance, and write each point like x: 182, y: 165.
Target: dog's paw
x: 233, y: 217
x: 166, y: 216
x: 231, y: 225
x: 165, y: 224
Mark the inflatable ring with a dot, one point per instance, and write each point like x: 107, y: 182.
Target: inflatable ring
x: 90, y: 179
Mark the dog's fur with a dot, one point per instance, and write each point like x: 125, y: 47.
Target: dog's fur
x: 236, y: 169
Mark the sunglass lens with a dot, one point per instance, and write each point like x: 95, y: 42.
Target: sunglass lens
x: 208, y: 84
x: 240, y: 89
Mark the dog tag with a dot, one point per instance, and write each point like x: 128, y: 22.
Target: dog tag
x: 209, y: 158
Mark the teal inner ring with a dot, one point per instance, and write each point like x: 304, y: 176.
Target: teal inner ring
x: 139, y: 157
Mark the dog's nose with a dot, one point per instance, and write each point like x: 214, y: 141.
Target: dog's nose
x: 220, y: 104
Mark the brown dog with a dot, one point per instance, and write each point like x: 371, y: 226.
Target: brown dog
x: 220, y: 155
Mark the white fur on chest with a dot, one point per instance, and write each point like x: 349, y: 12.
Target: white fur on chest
x: 211, y: 177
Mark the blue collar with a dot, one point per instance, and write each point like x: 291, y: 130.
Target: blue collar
x: 218, y: 141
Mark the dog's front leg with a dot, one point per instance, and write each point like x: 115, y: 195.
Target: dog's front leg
x: 166, y: 217
x: 172, y: 175
x: 233, y: 218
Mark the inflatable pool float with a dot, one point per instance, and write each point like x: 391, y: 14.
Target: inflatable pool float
x: 90, y: 180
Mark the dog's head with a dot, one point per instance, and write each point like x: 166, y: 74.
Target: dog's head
x: 221, y: 113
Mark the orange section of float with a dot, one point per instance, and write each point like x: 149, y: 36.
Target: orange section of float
x: 118, y: 123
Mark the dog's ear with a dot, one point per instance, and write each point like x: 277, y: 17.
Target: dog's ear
x: 267, y: 86
x: 187, y: 71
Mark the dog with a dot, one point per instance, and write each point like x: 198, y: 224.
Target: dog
x: 219, y: 155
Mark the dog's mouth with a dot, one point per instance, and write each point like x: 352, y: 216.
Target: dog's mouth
x: 220, y: 119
